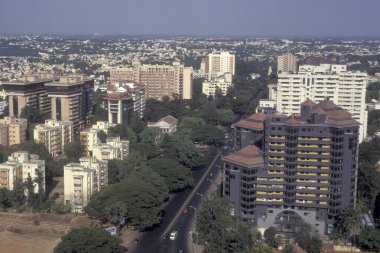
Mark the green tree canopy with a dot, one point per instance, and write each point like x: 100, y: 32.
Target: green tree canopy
x: 148, y: 135
x: 369, y: 239
x: 73, y: 150
x: 124, y: 131
x: 84, y: 240
x: 226, y: 116
x: 175, y: 175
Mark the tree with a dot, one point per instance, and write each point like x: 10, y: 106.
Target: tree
x: 85, y: 240
x: 176, y: 176
x: 102, y: 136
x: 5, y: 198
x: 270, y: 237
x: 226, y: 116
x: 350, y: 220
x: 117, y: 213
x: 73, y: 150
x: 32, y: 115
x: 306, y: 240
x: 148, y: 135
x: 289, y: 249
x: 208, y: 134
x: 369, y: 239
x: 142, y: 193
x: 222, y: 231
x: 124, y: 131
x: 147, y: 150
x: 262, y: 249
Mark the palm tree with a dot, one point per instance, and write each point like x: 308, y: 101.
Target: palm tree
x: 351, y: 220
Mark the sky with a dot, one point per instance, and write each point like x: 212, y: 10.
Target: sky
x: 279, y: 18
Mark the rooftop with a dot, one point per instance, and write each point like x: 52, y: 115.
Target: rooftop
x: 250, y: 156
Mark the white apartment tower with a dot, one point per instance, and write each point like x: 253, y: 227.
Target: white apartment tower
x: 345, y: 88
x: 223, y: 62
x: 83, y: 179
x: 286, y: 63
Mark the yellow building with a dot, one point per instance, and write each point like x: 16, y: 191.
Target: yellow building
x: 83, y: 179
x: 12, y: 131
x: 54, y: 135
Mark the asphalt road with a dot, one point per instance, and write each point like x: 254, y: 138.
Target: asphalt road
x: 151, y: 241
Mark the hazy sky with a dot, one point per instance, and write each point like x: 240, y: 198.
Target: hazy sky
x: 192, y: 17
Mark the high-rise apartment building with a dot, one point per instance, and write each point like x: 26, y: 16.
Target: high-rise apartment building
x: 222, y: 62
x: 306, y: 171
x: 89, y: 137
x: 29, y: 91
x: 12, y: 131
x: 83, y: 179
x: 21, y: 165
x: 286, y: 63
x: 123, y: 100
x: 114, y: 148
x: 71, y: 99
x: 346, y: 89
x: 54, y: 135
x: 159, y: 80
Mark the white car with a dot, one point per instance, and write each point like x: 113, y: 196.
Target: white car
x: 173, y: 235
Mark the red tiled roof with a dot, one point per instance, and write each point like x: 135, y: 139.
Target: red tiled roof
x: 308, y: 102
x: 319, y: 110
x: 253, y: 122
x: 258, y: 116
x: 248, y: 156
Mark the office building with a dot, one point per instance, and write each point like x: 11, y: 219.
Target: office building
x: 83, y: 179
x: 12, y: 131
x: 29, y: 91
x: 21, y: 165
x: 220, y: 63
x: 123, y: 100
x: 71, y: 100
x: 286, y: 63
x: 89, y: 137
x: 346, y: 89
x: 249, y: 131
x: 114, y: 148
x: 54, y: 135
x: 306, y: 171
x: 174, y: 81
x: 221, y: 83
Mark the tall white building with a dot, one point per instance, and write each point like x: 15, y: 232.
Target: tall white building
x: 114, y: 148
x: 83, y: 179
x: 89, y: 137
x: 220, y: 63
x: 345, y: 88
x: 21, y: 165
x: 286, y: 63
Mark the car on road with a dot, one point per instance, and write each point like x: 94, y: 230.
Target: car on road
x: 173, y: 235
x: 164, y: 236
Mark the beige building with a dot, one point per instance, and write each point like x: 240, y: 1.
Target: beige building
x: 89, y: 137
x: 222, y: 82
x: 220, y: 63
x: 54, y: 135
x: 173, y: 81
x: 114, y: 148
x: 12, y: 131
x: 71, y: 99
x: 287, y: 63
x: 83, y: 179
x: 29, y: 91
x: 21, y: 165
x: 123, y: 100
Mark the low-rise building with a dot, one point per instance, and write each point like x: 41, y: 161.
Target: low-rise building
x: 221, y: 82
x: 12, y: 131
x: 166, y: 125
x: 89, y: 137
x: 54, y: 135
x: 249, y: 131
x: 114, y: 148
x: 83, y: 179
x: 21, y: 165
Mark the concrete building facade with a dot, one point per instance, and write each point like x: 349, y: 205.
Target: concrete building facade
x: 123, y: 100
x: 306, y: 170
x: 83, y: 179
x: 71, y: 100
x: 318, y: 83
x: 21, y: 165
x: 89, y: 137
x: 29, y: 91
x: 221, y: 83
x: 12, y: 131
x: 220, y: 62
x: 174, y: 81
x: 114, y: 148
x: 286, y: 63
x: 54, y: 135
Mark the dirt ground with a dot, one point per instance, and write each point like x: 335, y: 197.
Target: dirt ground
x: 36, y: 233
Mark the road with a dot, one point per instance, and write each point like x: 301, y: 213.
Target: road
x: 179, y: 215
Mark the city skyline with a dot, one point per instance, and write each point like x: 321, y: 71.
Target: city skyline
x: 201, y: 18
